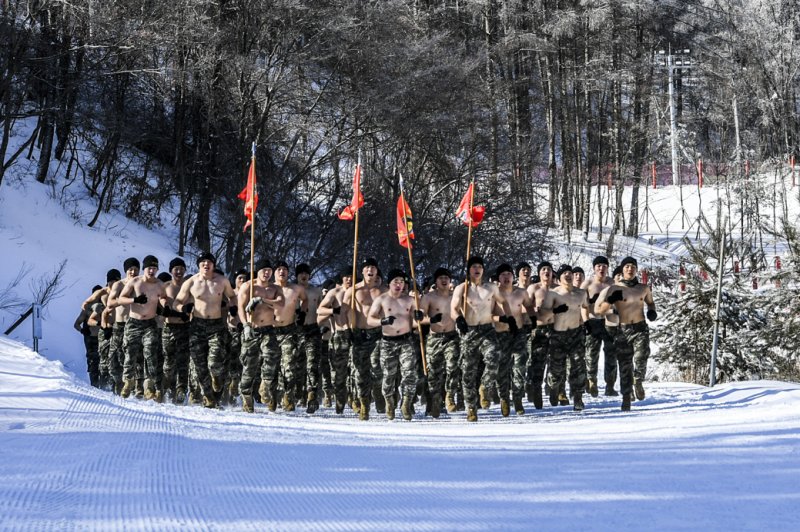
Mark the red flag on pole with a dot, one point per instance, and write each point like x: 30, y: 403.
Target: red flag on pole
x: 349, y: 212
x: 249, y: 195
x: 405, y: 226
x: 463, y: 213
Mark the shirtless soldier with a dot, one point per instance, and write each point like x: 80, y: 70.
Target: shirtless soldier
x: 341, y: 342
x: 365, y: 352
x: 632, y: 354
x: 310, y: 338
x: 567, y: 338
x: 513, y: 341
x: 539, y: 346
x: 175, y: 339
x: 260, y: 353
x: 596, y: 329
x: 394, y: 312
x: 116, y: 355
x: 442, y: 348
x: 478, y: 337
x: 206, y: 333
x: 143, y: 294
x: 98, y: 301
x: 288, y: 318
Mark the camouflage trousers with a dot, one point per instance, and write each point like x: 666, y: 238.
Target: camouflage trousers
x: 633, y: 350
x: 207, y: 350
x: 613, y: 347
x: 567, y: 345
x: 479, y: 345
x: 539, y: 351
x: 399, y: 364
x: 291, y: 365
x: 597, y: 336
x: 92, y: 345
x: 141, y: 352
x: 325, y: 370
x: 260, y: 356
x: 309, y: 346
x: 116, y: 354
x: 175, y: 347
x: 365, y: 351
x: 341, y: 344
x: 513, y: 367
x: 104, y: 348
x: 234, y: 354
x: 444, y: 375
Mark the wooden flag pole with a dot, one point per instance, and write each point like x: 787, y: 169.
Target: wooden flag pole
x: 469, y: 243
x: 413, y: 278
x: 355, y: 250
x: 252, y: 227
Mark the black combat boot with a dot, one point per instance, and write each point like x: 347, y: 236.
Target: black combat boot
x: 626, y: 402
x: 363, y: 413
x: 505, y: 408
x: 408, y: 407
x: 593, y: 391
x: 518, y: 408
x: 391, y: 406
x: 312, y: 405
x: 639, y: 389
x: 449, y: 403
x: 436, y: 406
x: 577, y: 402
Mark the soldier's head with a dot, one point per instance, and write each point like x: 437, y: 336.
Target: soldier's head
x: 564, y: 275
x: 328, y: 285
x: 281, y: 271
x: 578, y: 276
x: 206, y: 264
x: 112, y: 276
x: 150, y: 266
x: 505, y: 275
x: 441, y: 278
x: 617, y: 274
x: 475, y: 268
x: 263, y: 270
x: 369, y: 271
x: 346, y: 279
x: 177, y: 268
x: 600, y: 266
x: 545, y: 271
x: 240, y: 277
x: 523, y: 270
x: 131, y: 267
x: 397, y: 281
x: 629, y: 268
x: 302, y: 273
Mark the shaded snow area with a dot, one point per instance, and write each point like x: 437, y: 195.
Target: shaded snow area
x: 687, y: 457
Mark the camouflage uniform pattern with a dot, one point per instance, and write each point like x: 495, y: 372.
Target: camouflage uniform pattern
x: 611, y: 360
x: 290, y: 365
x: 365, y: 349
x: 517, y: 346
x: 141, y: 351
x: 104, y: 348
x: 207, y: 350
x: 637, y: 336
x: 505, y: 364
x: 479, y: 345
x: 116, y: 355
x: 234, y: 354
x: 567, y: 345
x: 310, y: 345
x: 399, y: 362
x: 260, y: 355
x: 92, y: 345
x: 442, y: 350
x: 539, y: 350
x: 341, y: 344
x: 325, y: 370
x: 624, y: 352
x: 175, y: 348
x: 597, y: 336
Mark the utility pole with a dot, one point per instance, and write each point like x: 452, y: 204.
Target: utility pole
x: 674, y: 60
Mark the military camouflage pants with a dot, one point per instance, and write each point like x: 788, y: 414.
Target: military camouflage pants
x: 234, y: 354
x: 443, y: 356
x: 539, y: 350
x: 637, y: 340
x: 366, y: 349
x: 310, y: 345
x: 516, y: 348
x: 325, y: 374
x: 611, y: 361
x: 479, y: 344
x: 341, y: 343
x: 175, y: 347
x: 141, y: 352
x: 260, y: 355
x: 399, y: 363
x: 104, y: 348
x: 567, y: 345
x: 91, y: 343
x: 505, y: 364
x: 207, y: 350
x: 290, y: 366
x: 597, y: 336
x: 116, y: 354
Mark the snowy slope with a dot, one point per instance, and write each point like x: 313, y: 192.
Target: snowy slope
x: 687, y: 457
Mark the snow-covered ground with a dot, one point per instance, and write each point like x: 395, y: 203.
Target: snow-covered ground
x: 686, y: 458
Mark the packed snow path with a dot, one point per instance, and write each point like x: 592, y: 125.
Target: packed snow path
x: 687, y: 457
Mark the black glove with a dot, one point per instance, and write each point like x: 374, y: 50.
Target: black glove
x: 301, y: 318
x: 240, y: 326
x: 562, y: 308
x: 388, y: 320
x: 511, y: 322
x: 233, y: 311
x: 324, y: 329
x: 594, y: 298
x: 188, y: 308
x: 85, y: 329
x: 108, y: 330
x: 160, y: 310
x: 461, y: 324
x: 652, y: 315
x: 337, y: 310
x: 141, y: 299
x: 587, y: 327
x: 436, y: 318
x: 615, y: 296
x: 223, y: 303
x: 418, y: 315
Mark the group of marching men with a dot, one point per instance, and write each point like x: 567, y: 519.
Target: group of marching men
x: 270, y: 340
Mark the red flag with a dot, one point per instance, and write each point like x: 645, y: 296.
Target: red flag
x: 405, y: 226
x: 349, y: 212
x: 463, y: 213
x: 249, y: 195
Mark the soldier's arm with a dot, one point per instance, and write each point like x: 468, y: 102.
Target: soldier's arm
x: 601, y: 306
x: 111, y: 302
x: 455, y: 303
x: 79, y: 321
x: 242, y: 299
x: 375, y: 312
x: 529, y: 305
x: 126, y: 296
x: 185, y: 295
x: 648, y: 299
x: 94, y: 298
x: 501, y: 300
x: 325, y: 307
x: 94, y: 319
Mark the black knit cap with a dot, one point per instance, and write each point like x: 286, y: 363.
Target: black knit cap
x: 150, y: 261
x: 521, y: 265
x: 206, y: 255
x: 474, y: 260
x: 241, y: 271
x: 177, y: 261
x: 394, y: 273
x: 164, y: 277
x: 113, y: 275
x: 564, y: 268
x: 600, y: 259
x: 131, y: 262
x: 628, y: 260
x: 441, y: 272
x: 302, y: 268
x: 281, y: 264
x: 329, y: 284
x: 261, y: 264
x: 544, y: 264
x: 505, y: 267
x: 96, y: 287
x: 369, y: 262
x: 578, y: 269
x: 617, y: 271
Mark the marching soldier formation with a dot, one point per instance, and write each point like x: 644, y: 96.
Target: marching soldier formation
x: 356, y: 342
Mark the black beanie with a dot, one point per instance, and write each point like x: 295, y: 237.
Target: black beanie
x: 206, y: 255
x: 440, y: 272
x: 177, y: 261
x: 521, y: 265
x: 394, y: 274
x: 241, y: 271
x: 302, y: 268
x: 474, y: 260
x: 150, y: 261
x: 261, y: 264
x: 96, y: 287
x: 617, y: 271
x: 628, y: 260
x: 502, y: 269
x: 131, y: 262
x: 600, y: 259
x: 329, y: 284
x: 281, y: 264
x: 562, y: 270
x: 113, y: 275
x: 164, y: 277
x: 369, y: 262
x: 544, y: 264
x: 578, y: 269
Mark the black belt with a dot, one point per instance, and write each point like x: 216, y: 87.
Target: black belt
x: 446, y: 334
x: 483, y: 327
x: 400, y: 338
